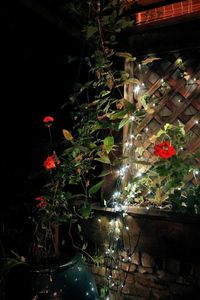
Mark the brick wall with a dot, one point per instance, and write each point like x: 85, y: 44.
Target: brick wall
x: 165, y: 263
x: 168, y: 11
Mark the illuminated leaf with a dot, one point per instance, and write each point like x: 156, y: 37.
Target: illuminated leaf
x: 67, y: 135
x: 123, y: 123
x: 126, y: 55
x: 132, y: 80
x: 153, y: 138
x: 149, y: 60
x: 168, y: 126
x: 118, y: 115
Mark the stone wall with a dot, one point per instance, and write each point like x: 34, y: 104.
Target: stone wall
x: 162, y: 264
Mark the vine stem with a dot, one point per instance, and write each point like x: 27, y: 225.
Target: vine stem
x: 77, y: 247
x: 50, y: 136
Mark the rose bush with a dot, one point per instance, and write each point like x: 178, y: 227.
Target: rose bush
x: 170, y: 174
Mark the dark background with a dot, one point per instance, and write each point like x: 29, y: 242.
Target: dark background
x: 36, y: 81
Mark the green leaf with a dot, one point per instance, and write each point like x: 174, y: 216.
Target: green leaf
x: 96, y: 187
x: 84, y: 247
x: 168, y: 126
x: 79, y: 228
x: 105, y: 173
x: 118, y: 115
x: 90, y: 31
x: 123, y: 122
x: 104, y: 93
x: 129, y: 106
x: 104, y: 159
x: 160, y: 132
x: 108, y: 143
x: 144, y: 99
x: 86, y: 210
x: 124, y: 54
x: 149, y: 60
x: 97, y: 125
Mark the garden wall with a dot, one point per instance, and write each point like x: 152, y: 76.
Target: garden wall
x: 156, y: 257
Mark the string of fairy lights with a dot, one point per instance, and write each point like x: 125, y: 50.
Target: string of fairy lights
x: 118, y: 256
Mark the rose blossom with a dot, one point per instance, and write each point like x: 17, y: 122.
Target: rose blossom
x: 164, y: 150
x: 42, y: 201
x: 48, y: 120
x: 51, y: 162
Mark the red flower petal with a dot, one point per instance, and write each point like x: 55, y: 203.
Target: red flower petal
x: 164, y: 150
x: 48, y: 119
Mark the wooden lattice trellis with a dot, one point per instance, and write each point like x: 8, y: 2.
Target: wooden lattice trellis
x: 172, y: 85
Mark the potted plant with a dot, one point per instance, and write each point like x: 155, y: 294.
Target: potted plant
x: 73, y: 161
x: 55, y: 256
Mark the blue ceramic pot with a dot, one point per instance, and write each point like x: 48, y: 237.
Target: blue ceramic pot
x: 70, y: 281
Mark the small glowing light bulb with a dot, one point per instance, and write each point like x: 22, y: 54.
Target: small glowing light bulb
x: 138, y: 174
x: 136, y: 89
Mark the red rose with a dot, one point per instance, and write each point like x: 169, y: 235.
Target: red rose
x: 164, y: 150
x: 51, y: 162
x: 48, y: 120
x: 42, y: 201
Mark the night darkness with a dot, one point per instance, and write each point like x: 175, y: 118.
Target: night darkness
x: 36, y: 81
